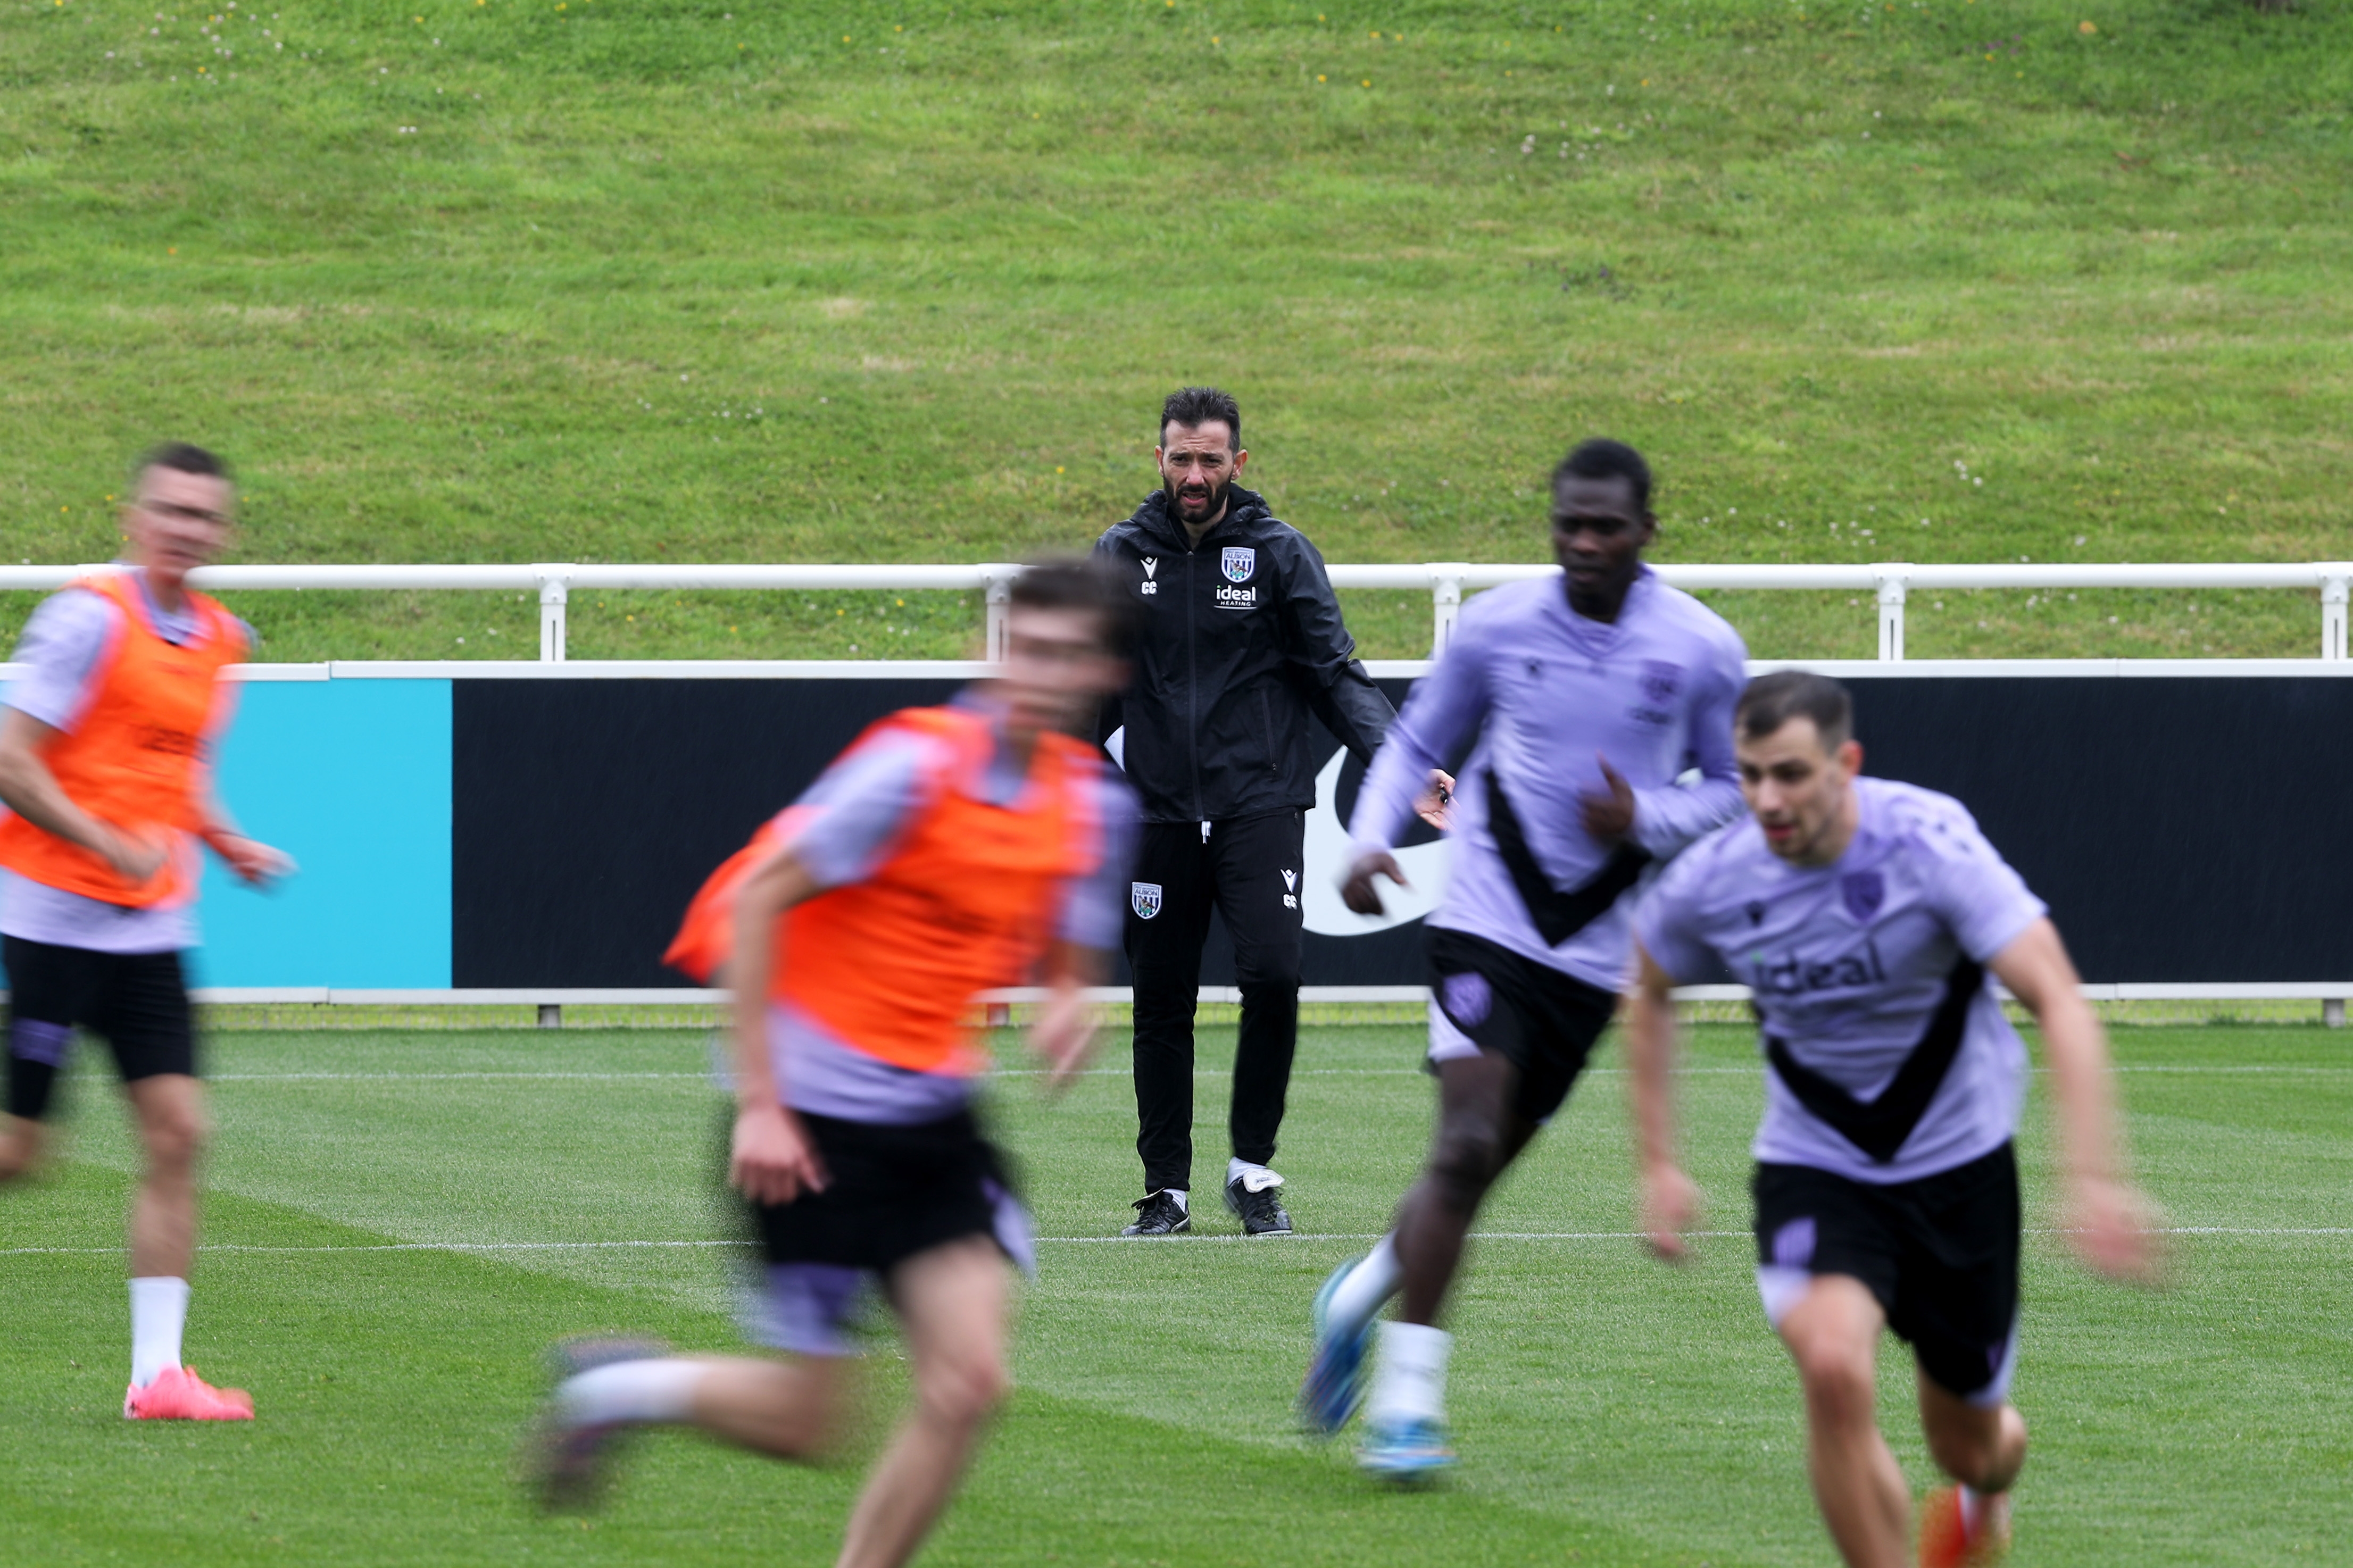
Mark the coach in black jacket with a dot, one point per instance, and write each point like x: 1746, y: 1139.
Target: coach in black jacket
x: 1239, y: 641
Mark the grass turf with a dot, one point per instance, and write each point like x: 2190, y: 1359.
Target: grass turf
x: 652, y: 280
x: 1609, y: 1410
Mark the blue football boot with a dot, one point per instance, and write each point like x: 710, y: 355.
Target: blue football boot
x: 1407, y: 1451
x: 1336, y: 1372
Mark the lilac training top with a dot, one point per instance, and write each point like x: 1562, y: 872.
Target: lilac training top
x: 63, y: 643
x: 1547, y: 691
x: 859, y: 808
x: 1851, y: 964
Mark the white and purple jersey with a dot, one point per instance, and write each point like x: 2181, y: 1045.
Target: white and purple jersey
x: 64, y: 644
x: 1548, y: 693
x: 855, y: 814
x: 1889, y: 1058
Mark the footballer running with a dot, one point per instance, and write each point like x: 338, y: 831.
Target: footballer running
x: 1871, y: 920
x: 950, y: 851
x: 1590, y: 695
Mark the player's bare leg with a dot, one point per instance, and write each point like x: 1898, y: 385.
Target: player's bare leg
x: 952, y: 1301
x: 1832, y: 1333
x: 1982, y: 1448
x: 787, y: 1408
x: 21, y: 1146
x: 169, y: 1110
x: 1478, y: 1137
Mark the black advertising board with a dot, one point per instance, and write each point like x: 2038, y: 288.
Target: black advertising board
x: 2183, y: 829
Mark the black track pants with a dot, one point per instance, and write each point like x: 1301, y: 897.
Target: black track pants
x: 1249, y: 870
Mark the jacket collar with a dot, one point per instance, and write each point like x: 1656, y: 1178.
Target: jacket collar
x: 1241, y: 507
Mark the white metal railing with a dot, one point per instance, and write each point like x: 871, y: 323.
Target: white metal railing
x: 1889, y: 583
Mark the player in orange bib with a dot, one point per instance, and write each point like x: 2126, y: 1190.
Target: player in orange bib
x: 949, y: 852
x: 106, y: 747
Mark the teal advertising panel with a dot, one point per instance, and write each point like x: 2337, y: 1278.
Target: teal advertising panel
x: 352, y: 778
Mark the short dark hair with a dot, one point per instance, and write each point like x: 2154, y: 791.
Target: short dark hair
x: 181, y: 457
x: 1194, y: 407
x: 1771, y: 700
x: 1604, y: 459
x: 1080, y: 583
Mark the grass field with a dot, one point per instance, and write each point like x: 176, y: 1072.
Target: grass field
x: 398, y: 1223
x: 653, y: 281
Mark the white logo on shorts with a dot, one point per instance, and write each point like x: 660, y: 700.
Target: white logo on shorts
x: 1291, y: 881
x: 1145, y: 899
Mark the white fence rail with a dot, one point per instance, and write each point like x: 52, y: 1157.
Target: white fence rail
x: 1889, y: 583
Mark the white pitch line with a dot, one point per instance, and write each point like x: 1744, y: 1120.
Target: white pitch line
x: 537, y: 1075
x: 431, y: 1077
x: 1082, y: 1240
x: 389, y: 1247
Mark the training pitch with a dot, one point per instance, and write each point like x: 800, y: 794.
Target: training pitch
x: 399, y: 1223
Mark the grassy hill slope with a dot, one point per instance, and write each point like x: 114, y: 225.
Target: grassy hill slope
x: 644, y: 280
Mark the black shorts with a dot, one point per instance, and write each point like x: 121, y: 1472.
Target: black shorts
x: 1541, y: 1020
x: 136, y: 1002
x: 891, y: 1193
x: 1940, y: 1254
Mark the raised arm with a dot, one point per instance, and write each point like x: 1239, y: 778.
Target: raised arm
x: 1669, y: 1201
x: 2110, y: 1224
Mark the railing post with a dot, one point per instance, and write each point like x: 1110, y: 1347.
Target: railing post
x: 1000, y: 602
x: 1890, y: 612
x: 553, y: 594
x: 2334, y: 578
x: 1445, y: 603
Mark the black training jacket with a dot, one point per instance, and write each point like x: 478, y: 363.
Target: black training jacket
x: 1239, y: 643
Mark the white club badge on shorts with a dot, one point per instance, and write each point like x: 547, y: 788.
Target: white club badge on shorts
x: 1240, y: 562
x: 1145, y: 899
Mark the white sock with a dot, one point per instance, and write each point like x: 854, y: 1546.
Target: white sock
x: 658, y: 1389
x: 1369, y: 1285
x: 1255, y: 1178
x: 1410, y: 1384
x: 159, y: 1313
x: 1181, y: 1196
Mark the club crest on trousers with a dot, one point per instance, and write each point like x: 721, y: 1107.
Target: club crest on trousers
x: 1145, y: 899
